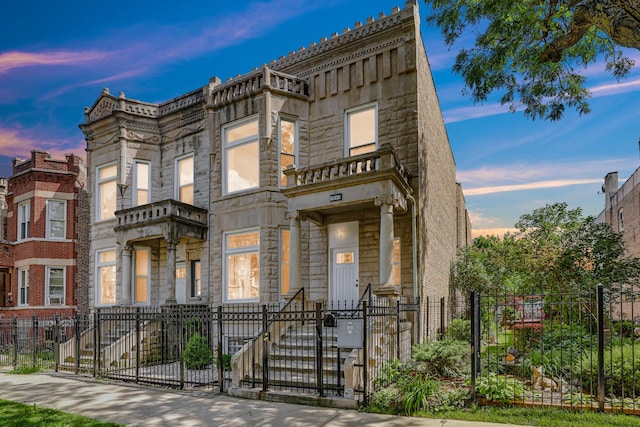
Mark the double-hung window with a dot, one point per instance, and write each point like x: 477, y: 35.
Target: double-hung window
x: 55, y: 285
x: 620, y: 220
x: 242, y: 265
x: 196, y: 280
x: 142, y: 276
x: 288, y: 145
x: 106, y: 189
x: 56, y: 219
x: 24, y: 220
x: 141, y: 178
x: 106, y: 277
x: 184, y: 179
x: 241, y: 156
x: 361, y: 130
x: 23, y: 286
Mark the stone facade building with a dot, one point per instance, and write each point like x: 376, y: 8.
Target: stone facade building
x: 328, y: 169
x: 622, y: 213
x: 39, y: 260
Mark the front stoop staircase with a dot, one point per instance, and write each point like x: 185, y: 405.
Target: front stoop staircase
x: 117, y: 347
x: 293, y: 370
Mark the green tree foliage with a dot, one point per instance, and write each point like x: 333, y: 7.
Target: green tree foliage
x: 532, y: 52
x: 555, y: 249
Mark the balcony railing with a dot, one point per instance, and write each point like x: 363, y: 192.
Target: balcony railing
x: 161, y: 211
x: 383, y: 159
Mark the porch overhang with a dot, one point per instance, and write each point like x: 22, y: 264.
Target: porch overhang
x: 348, y: 184
x: 168, y: 219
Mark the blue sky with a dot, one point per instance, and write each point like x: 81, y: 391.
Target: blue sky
x: 55, y: 60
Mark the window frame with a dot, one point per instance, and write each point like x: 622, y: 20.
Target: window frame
x: 99, y: 183
x: 396, y: 269
x: 24, y: 220
x: 238, y: 251
x: 50, y: 219
x: 98, y: 278
x: 48, y: 270
x: 136, y: 188
x: 347, y: 127
x: 178, y: 185
x: 620, y: 220
x: 282, y: 262
x: 196, y: 279
x: 23, y: 284
x: 137, y: 275
x: 282, y: 179
x: 227, y: 146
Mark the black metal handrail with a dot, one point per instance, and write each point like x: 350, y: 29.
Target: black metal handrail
x: 365, y: 294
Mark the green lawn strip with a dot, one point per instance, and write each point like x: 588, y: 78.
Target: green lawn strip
x: 538, y: 417
x: 14, y: 414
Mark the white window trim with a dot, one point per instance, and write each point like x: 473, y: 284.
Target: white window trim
x: 347, y: 112
x: 97, y: 281
x: 296, y: 144
x: 176, y: 175
x: 98, y: 202
x: 23, y: 272
x: 49, y: 219
x: 243, y: 141
x: 135, y: 276
x: 48, y: 284
x: 226, y: 252
x: 22, y: 220
x: 135, y: 181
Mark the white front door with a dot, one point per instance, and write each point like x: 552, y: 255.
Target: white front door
x: 181, y: 282
x: 344, y: 276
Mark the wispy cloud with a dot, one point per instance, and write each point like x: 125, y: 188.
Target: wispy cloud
x: 615, y: 88
x: 19, y: 143
x: 529, y: 186
x: 16, y: 59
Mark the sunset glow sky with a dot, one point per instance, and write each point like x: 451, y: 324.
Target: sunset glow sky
x: 55, y: 60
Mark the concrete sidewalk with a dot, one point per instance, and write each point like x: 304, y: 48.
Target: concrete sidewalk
x: 135, y: 405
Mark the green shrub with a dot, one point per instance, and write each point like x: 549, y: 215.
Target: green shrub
x: 499, y: 388
x: 197, y: 355
x: 385, y: 400
x: 389, y: 373
x: 492, y: 363
x: 417, y: 392
x: 226, y: 362
x: 448, y: 358
x: 621, y: 373
x: 459, y: 330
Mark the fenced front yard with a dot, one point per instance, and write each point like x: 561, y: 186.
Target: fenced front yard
x: 304, y: 347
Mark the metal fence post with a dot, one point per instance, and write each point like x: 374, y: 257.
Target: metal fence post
x: 265, y: 348
x: 365, y: 364
x: 56, y: 343
x: 442, y: 306
x: 181, y: 344
x: 96, y: 342
x: 15, y: 342
x: 398, y: 329
x: 137, y: 344
x: 34, y: 347
x: 427, y: 316
x: 220, y: 351
x: 319, y: 378
x: 77, y: 343
x: 475, y: 340
x: 600, y: 302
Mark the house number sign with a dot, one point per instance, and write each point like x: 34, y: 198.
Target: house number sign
x: 335, y: 197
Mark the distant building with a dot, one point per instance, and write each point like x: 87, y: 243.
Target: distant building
x: 622, y: 212
x: 41, y: 256
x: 327, y: 169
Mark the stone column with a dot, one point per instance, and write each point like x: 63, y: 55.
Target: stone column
x: 171, y: 271
x: 126, y: 275
x: 386, y: 285
x: 295, y: 258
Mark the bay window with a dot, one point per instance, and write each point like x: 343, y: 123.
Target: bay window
x: 55, y: 278
x: 106, y: 192
x: 56, y: 219
x: 106, y: 277
x: 242, y: 265
x: 141, y: 179
x: 241, y: 156
x: 288, y: 133
x: 184, y: 179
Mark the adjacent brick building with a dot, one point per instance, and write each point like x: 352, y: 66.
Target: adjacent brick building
x: 45, y: 222
x: 622, y: 213
x: 327, y: 169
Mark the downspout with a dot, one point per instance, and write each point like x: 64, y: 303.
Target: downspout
x: 414, y: 245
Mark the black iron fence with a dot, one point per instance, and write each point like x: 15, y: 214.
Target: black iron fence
x: 574, y: 349
x: 306, y: 347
